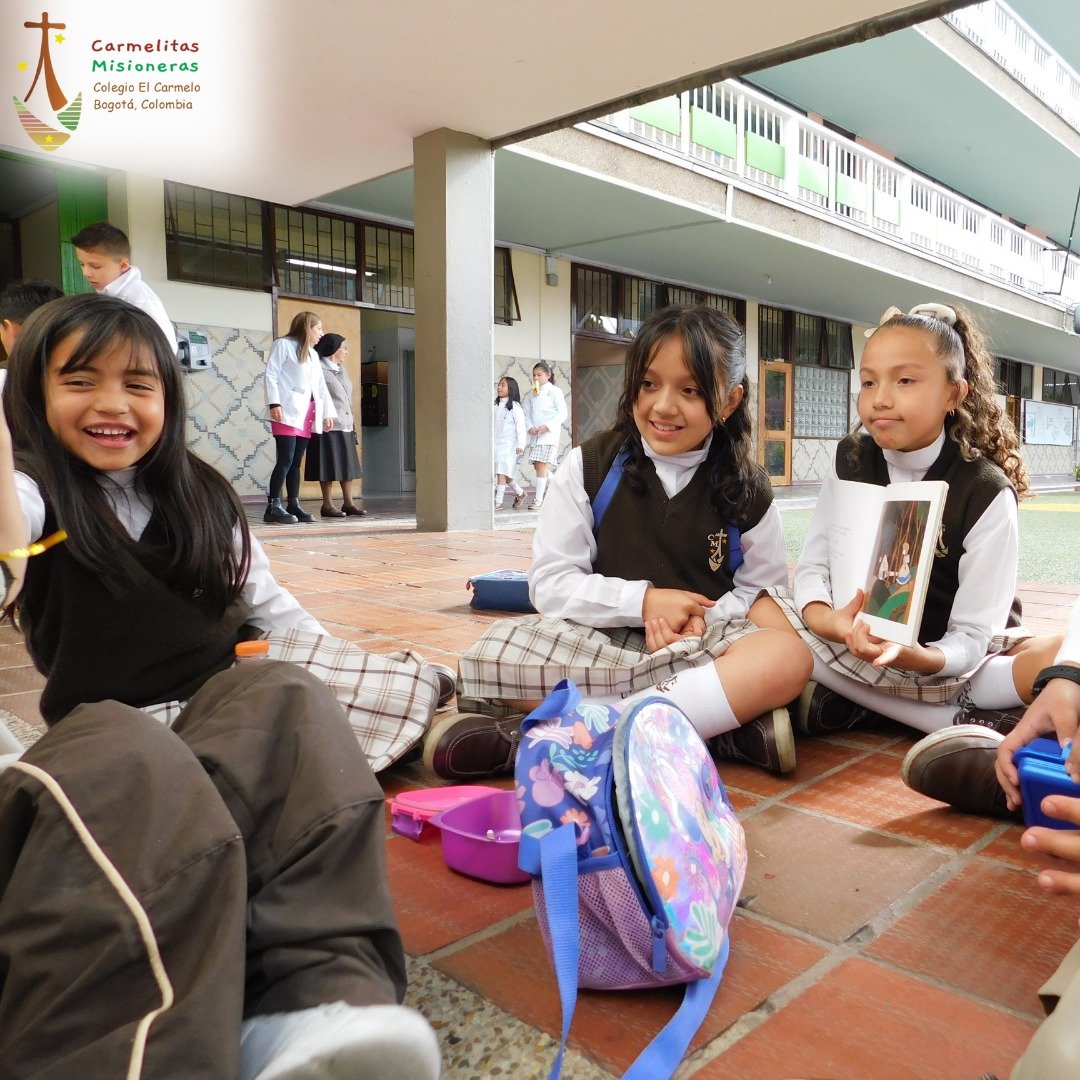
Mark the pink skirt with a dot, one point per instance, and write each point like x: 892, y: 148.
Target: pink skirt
x: 300, y: 433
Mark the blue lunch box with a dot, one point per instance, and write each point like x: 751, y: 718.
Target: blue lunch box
x: 1041, y: 765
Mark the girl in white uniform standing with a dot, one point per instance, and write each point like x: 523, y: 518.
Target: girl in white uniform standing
x: 297, y: 398
x: 545, y: 414
x: 509, y: 440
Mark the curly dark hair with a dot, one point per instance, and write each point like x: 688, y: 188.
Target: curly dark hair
x: 715, y: 349
x: 980, y: 428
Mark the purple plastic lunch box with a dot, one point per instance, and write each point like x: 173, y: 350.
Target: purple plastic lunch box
x: 480, y: 838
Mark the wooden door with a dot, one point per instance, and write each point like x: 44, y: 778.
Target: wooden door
x: 774, y: 420
x: 343, y: 319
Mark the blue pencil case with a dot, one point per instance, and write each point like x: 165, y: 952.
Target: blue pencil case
x: 1041, y: 765
x: 501, y: 590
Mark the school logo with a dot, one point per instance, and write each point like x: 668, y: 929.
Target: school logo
x: 63, y: 112
x: 717, y: 550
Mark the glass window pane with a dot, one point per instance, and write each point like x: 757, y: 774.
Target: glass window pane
x: 775, y: 458
x: 775, y: 395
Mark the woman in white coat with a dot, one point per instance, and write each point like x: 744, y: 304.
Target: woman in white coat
x: 545, y: 414
x: 297, y: 399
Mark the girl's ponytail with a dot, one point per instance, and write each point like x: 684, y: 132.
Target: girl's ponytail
x: 980, y: 426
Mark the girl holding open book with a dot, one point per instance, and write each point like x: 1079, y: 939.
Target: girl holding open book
x: 926, y: 402
x: 651, y: 561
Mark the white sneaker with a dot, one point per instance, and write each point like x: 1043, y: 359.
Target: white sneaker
x: 340, y: 1042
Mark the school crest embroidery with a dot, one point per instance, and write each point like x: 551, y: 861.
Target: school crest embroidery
x: 717, y: 550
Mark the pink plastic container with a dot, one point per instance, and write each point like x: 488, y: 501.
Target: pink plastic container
x: 412, y: 810
x: 480, y: 838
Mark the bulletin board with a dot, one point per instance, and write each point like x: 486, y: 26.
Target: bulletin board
x: 1048, y: 424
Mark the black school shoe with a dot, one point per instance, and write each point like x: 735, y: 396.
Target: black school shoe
x: 297, y: 511
x: 276, y: 514
x: 825, y: 712
x: 767, y: 742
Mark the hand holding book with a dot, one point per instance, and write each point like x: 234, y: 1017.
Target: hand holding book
x: 920, y: 659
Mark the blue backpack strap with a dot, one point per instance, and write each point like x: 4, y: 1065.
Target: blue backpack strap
x: 735, y: 555
x: 559, y: 878
x: 607, y: 488
x: 660, y: 1059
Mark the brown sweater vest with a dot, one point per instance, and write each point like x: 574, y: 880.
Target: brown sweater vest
x: 677, y: 543
x: 146, y: 646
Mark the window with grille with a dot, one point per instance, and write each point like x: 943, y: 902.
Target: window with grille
x: 1061, y: 386
x: 314, y: 254
x: 1014, y: 379
x: 772, y: 340
x: 640, y: 298
x: 808, y: 335
x: 389, y: 274
x: 213, y: 238
x: 506, y: 301
x: 615, y: 305
x: 595, y: 309
x: 839, y: 352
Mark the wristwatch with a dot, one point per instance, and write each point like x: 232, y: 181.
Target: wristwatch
x: 1057, y: 671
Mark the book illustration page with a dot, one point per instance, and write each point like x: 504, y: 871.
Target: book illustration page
x: 894, y: 563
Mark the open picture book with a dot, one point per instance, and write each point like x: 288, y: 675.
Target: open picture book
x: 882, y: 540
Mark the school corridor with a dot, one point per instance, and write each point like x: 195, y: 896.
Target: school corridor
x: 879, y: 935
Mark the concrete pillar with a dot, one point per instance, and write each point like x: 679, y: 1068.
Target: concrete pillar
x: 453, y: 178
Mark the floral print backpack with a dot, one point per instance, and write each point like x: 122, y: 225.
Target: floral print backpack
x: 636, y: 855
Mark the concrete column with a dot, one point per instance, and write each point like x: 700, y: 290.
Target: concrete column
x: 454, y: 184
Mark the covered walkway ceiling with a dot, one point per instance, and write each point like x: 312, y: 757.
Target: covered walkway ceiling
x: 330, y: 93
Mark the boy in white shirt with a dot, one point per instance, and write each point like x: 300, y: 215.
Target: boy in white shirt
x: 104, y: 254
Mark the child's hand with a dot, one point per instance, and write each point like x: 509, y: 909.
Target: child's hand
x: 1055, y: 713
x: 675, y: 606
x: 521, y: 450
x: 882, y: 653
x: 1061, y: 843
x: 833, y: 624
x: 659, y: 634
x: 328, y: 424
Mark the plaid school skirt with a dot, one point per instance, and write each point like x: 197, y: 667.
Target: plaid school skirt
x: 389, y: 698
x: 547, y: 453
x: 934, y: 689
x: 524, y: 658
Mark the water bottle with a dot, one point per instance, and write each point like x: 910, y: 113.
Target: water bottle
x: 248, y: 651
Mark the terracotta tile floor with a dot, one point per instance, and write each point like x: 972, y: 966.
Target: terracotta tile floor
x: 879, y: 935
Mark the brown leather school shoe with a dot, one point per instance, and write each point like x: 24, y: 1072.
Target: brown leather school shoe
x: 472, y: 746
x: 825, y: 712
x: 767, y: 742
x: 956, y: 766
x: 447, y: 677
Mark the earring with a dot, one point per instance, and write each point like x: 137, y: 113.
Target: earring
x: 952, y: 412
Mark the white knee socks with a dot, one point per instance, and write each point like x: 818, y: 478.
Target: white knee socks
x: 541, y: 487
x: 516, y: 488
x: 698, y: 692
x: 917, y: 714
x: 992, y: 686
x: 500, y: 491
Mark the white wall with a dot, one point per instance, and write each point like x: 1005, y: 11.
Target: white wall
x: 137, y: 205
x: 544, y: 330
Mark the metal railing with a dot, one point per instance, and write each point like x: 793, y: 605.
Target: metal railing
x: 1012, y: 44
x: 741, y: 132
